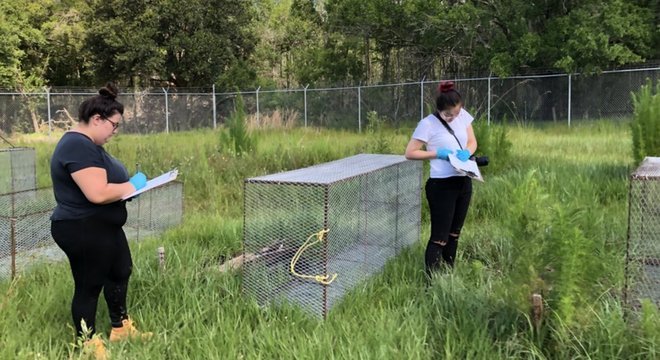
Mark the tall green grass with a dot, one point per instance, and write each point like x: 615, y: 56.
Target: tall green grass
x: 551, y: 219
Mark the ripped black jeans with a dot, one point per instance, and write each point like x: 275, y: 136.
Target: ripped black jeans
x: 449, y: 200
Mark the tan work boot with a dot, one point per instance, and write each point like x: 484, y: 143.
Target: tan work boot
x: 128, y: 331
x: 95, y: 348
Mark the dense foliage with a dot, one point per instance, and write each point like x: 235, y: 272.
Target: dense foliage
x: 297, y: 42
x: 646, y: 122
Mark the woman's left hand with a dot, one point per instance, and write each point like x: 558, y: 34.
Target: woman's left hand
x: 463, y: 155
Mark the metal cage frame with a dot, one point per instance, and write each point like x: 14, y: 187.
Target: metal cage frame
x: 312, y: 234
x: 642, y: 266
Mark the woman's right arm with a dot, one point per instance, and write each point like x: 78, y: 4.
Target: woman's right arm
x: 93, y: 181
x: 414, y: 151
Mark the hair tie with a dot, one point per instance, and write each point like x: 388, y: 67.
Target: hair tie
x: 445, y: 86
x: 110, y: 91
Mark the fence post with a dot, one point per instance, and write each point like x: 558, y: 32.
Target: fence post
x: 167, y: 113
x: 421, y: 98
x: 259, y: 88
x: 214, y: 108
x: 305, y: 92
x: 569, y: 99
x: 489, y: 96
x: 359, y: 109
x: 50, y: 121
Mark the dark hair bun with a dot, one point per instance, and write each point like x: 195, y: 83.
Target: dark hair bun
x: 109, y: 91
x: 446, y: 86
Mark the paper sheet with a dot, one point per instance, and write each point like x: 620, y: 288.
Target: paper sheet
x: 155, y: 182
x: 468, y: 168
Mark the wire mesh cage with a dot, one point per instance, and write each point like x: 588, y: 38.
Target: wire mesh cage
x: 155, y: 211
x: 24, y: 229
x: 643, y: 248
x: 25, y: 238
x: 18, y: 170
x: 312, y: 234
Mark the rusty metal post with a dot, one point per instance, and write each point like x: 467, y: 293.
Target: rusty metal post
x: 326, y: 203
x: 13, y: 245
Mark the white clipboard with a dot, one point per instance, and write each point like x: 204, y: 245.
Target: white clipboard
x: 468, y: 168
x: 155, y: 182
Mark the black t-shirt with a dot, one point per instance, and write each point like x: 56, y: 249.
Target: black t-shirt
x: 76, y: 151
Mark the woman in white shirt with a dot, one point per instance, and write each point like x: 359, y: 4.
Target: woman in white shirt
x: 448, y: 131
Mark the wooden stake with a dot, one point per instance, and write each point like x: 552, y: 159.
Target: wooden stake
x: 537, y: 310
x: 161, y: 258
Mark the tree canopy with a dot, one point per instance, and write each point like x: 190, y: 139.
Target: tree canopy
x: 241, y: 43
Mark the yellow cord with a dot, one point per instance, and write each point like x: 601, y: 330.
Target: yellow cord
x: 323, y: 279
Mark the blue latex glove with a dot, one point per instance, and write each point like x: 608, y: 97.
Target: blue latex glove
x: 443, y: 154
x: 463, y: 155
x: 139, y: 180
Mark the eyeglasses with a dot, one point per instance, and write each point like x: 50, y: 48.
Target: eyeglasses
x: 448, y: 115
x: 115, y: 125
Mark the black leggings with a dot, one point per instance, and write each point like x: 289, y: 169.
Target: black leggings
x: 449, y: 200
x: 100, y: 259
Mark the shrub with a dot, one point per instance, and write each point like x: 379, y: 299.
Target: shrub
x: 237, y: 135
x: 646, y: 122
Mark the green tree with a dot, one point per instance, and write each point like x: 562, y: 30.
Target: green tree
x: 65, y: 33
x: 179, y: 43
x: 21, y: 44
x: 293, y: 42
x: 429, y: 38
x: 598, y: 35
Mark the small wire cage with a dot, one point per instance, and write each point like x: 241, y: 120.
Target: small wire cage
x: 643, y: 247
x: 25, y: 238
x: 312, y: 234
x: 18, y: 170
x: 155, y: 211
x: 24, y: 229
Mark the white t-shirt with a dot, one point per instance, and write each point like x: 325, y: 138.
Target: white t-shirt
x: 431, y: 131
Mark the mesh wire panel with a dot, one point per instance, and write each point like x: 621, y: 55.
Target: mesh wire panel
x: 280, y: 109
x: 18, y: 170
x: 189, y: 111
x: 607, y: 95
x: 25, y: 237
x: 25, y: 113
x: 24, y: 228
x: 398, y: 103
x: 520, y: 99
x: 369, y: 204
x: 64, y: 108
x: 643, y: 253
x: 333, y: 108
x: 155, y: 211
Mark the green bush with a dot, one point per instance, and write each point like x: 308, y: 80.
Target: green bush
x: 238, y: 136
x: 646, y: 122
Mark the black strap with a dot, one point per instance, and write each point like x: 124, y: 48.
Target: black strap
x: 451, y: 131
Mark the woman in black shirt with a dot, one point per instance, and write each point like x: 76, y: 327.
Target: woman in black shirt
x: 87, y: 222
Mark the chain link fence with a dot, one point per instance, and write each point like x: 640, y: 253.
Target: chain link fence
x: 542, y: 98
x: 312, y: 234
x: 643, y: 249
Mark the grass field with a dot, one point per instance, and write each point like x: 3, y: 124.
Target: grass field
x: 551, y: 220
